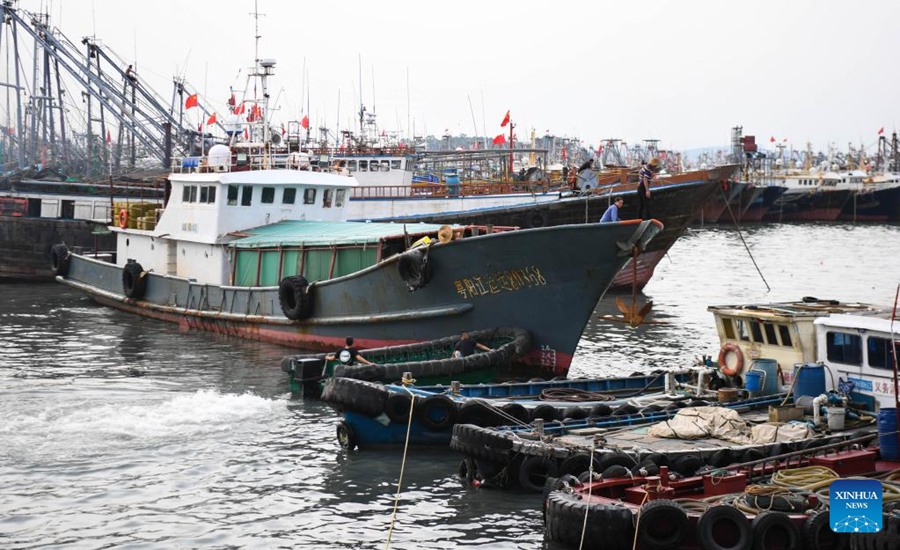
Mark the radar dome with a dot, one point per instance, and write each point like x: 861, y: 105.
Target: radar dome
x: 219, y: 155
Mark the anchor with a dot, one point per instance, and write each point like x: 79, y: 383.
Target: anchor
x: 630, y: 312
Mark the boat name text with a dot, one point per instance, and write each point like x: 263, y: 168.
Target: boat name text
x: 502, y: 281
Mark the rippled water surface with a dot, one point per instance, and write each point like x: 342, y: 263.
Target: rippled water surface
x: 128, y: 433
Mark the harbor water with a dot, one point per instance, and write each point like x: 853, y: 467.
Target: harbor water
x: 120, y: 432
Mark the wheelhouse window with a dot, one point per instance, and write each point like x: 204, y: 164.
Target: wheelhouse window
x: 309, y: 196
x: 728, y: 327
x: 785, y: 332
x: 363, y: 165
x: 844, y: 348
x: 186, y: 194
x: 246, y: 195
x: 395, y: 165
x: 268, y: 195
x: 880, y: 356
x: 742, y: 330
x: 351, y: 165
x: 339, y: 197
x: 756, y: 330
x: 289, y: 196
x: 326, y: 198
x: 771, y: 338
x: 232, y: 195
x: 211, y: 196
x: 204, y: 194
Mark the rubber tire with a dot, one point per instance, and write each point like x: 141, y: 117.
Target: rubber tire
x: 767, y: 524
x: 727, y: 520
x: 608, y: 527
x: 476, y: 412
x: 133, y: 284
x: 817, y: 534
x: 578, y: 464
x: 653, y: 531
x: 546, y: 412
x: 534, y: 471
x: 437, y: 412
x: 415, y: 268
x: 574, y: 412
x: 357, y: 396
x: 346, y: 437
x: 294, y: 298
x: 59, y: 259
x: 467, y: 470
x: 613, y: 458
x: 397, y: 407
x: 517, y: 411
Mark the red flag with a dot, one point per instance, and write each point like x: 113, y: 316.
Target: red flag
x: 500, y: 139
x: 305, y: 121
x: 239, y: 110
x: 200, y: 127
x: 283, y: 131
x: 599, y: 150
x: 505, y: 120
x: 231, y: 101
x: 255, y: 113
x: 108, y: 137
x: 881, y: 130
x: 565, y: 154
x: 772, y: 139
x: 191, y: 101
x: 211, y: 120
x: 246, y: 134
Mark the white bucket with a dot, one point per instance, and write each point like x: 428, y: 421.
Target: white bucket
x: 835, y: 417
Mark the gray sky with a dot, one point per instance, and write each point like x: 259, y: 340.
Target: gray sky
x: 683, y: 71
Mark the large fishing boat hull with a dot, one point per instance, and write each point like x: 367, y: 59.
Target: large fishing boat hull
x: 873, y: 205
x: 25, y: 244
x: 760, y: 202
x: 676, y: 201
x: 808, y: 206
x: 547, y: 281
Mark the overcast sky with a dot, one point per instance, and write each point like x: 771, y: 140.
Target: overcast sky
x: 683, y: 72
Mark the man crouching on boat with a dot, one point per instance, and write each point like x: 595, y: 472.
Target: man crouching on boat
x: 348, y: 355
x: 466, y: 346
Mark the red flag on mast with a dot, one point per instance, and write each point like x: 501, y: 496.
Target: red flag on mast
x: 505, y: 120
x: 211, y: 120
x: 772, y: 139
x: 500, y: 139
x: 881, y: 130
x: 191, y: 101
x: 305, y: 122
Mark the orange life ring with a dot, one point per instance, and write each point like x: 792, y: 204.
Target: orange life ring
x: 738, y: 363
x: 123, y: 218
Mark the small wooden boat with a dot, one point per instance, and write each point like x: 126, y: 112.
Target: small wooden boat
x: 429, y: 362
x: 736, y: 432
x: 396, y: 415
x: 780, y: 503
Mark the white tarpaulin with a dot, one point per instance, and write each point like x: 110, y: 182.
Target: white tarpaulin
x: 725, y: 424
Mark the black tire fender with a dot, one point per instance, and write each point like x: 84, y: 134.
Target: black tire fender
x: 134, y: 283
x: 397, y: 407
x: 346, y: 436
x: 437, y: 412
x: 534, y: 471
x: 817, y: 534
x: 724, y: 527
x: 663, y: 524
x: 774, y: 530
x: 59, y: 259
x: 415, y: 268
x: 295, y: 298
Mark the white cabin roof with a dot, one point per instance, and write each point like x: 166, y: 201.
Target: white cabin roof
x: 880, y: 322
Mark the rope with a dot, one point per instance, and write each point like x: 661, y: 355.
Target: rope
x: 412, y: 402
x: 587, y: 507
x: 574, y: 395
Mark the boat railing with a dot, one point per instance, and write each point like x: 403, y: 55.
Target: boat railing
x: 445, y: 190
x: 241, y: 161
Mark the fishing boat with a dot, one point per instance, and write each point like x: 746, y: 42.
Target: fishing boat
x: 428, y: 362
x: 876, y: 198
x: 251, y: 245
x: 780, y: 502
x: 809, y: 196
x: 804, y: 340
x: 677, y: 199
x: 45, y: 209
x: 416, y: 415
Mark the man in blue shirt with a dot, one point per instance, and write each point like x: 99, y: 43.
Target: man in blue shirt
x: 612, y: 213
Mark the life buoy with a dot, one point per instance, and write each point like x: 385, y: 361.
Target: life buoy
x: 295, y: 298
x: 738, y: 360
x: 123, y: 218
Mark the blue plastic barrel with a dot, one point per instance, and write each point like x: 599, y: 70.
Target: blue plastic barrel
x: 753, y: 381
x: 770, y: 367
x: 887, y: 434
x: 809, y: 380
x: 190, y: 162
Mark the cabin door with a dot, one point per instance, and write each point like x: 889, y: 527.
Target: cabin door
x: 171, y: 258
